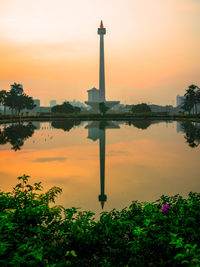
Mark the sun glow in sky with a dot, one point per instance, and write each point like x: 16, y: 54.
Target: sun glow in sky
x: 52, y: 48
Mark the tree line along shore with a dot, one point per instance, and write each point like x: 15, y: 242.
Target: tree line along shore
x: 126, y: 117
x: 20, y: 103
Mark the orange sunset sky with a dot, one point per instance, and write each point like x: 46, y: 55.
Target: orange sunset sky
x: 152, y: 48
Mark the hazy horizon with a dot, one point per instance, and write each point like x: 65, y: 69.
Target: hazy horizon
x: 52, y: 48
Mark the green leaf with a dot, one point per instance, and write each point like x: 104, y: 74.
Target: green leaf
x: 73, y: 253
x: 185, y: 261
x: 179, y: 256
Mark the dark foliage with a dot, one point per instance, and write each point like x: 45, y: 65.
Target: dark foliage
x: 103, y: 124
x: 35, y: 233
x: 65, y: 108
x: 103, y: 108
x: 17, y: 100
x: 66, y: 125
x: 141, y: 124
x: 192, y: 133
x: 141, y: 108
x: 192, y: 98
x: 16, y: 134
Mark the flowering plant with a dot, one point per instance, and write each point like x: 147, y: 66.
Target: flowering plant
x: 33, y: 232
x: 165, y: 208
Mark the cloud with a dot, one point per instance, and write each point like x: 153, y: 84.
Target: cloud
x: 64, y: 181
x: 24, y: 151
x: 117, y: 152
x: 50, y: 159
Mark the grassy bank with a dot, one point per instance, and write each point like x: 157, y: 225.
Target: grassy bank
x: 32, y: 232
x: 109, y: 116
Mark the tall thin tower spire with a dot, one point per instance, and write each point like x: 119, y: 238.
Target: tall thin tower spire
x: 101, y: 32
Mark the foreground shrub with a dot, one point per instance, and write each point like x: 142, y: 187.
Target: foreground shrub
x: 32, y: 232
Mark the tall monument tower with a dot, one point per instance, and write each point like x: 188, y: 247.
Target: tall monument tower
x: 101, y: 32
x: 97, y: 96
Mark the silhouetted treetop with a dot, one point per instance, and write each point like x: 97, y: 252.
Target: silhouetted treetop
x: 65, y: 108
x: 141, y: 108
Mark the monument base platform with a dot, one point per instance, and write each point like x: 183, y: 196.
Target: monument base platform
x: 95, y: 105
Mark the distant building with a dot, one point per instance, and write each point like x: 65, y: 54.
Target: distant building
x: 121, y: 107
x: 53, y: 103
x: 36, y: 102
x: 93, y: 95
x: 158, y: 108
x: 179, y: 100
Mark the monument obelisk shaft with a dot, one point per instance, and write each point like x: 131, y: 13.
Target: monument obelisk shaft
x: 101, y: 32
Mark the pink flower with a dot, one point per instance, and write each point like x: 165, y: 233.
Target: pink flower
x: 165, y: 208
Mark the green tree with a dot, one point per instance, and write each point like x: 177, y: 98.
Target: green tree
x: 24, y: 102
x: 14, y: 96
x: 10, y: 100
x: 187, y: 105
x: 103, y: 108
x: 17, y: 100
x: 192, y: 98
x: 77, y: 110
x: 29, y: 103
x: 17, y: 89
x: 64, y: 108
x: 141, y: 108
x: 198, y: 95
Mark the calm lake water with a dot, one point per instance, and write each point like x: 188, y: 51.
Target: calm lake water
x: 105, y: 164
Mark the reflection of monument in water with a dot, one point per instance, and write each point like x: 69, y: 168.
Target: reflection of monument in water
x: 96, y: 96
x: 97, y: 130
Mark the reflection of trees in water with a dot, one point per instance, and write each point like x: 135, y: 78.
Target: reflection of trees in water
x: 16, y: 134
x: 66, y: 125
x: 141, y: 124
x: 3, y: 139
x: 144, y: 124
x: 192, y: 133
